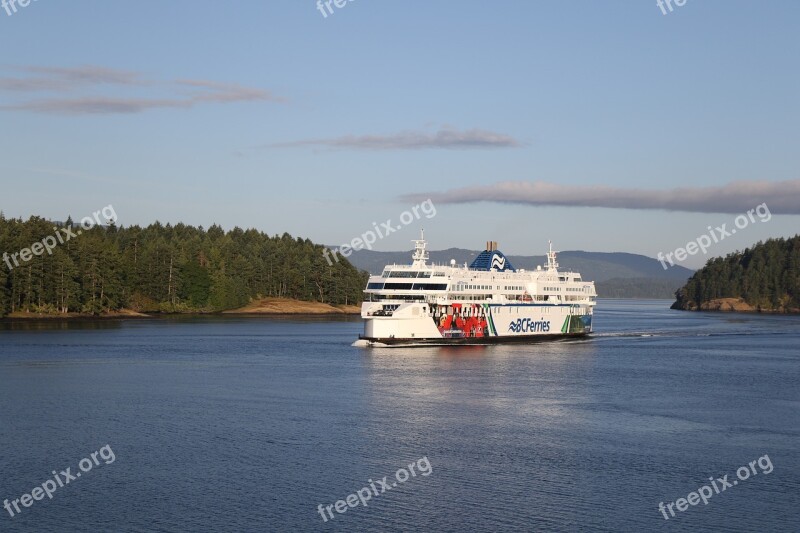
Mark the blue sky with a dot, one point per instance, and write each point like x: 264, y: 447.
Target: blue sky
x: 269, y: 115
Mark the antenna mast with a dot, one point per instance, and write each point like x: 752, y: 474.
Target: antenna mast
x: 552, y: 264
x: 420, y: 254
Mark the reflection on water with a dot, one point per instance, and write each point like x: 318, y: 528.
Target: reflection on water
x: 515, y: 384
x: 56, y: 324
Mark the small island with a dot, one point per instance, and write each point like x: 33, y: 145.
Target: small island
x: 162, y: 269
x: 761, y: 279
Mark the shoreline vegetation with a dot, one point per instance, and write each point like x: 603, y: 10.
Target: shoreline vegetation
x: 259, y: 307
x: 110, y: 271
x: 761, y: 279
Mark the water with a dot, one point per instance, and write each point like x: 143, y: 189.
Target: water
x: 248, y: 424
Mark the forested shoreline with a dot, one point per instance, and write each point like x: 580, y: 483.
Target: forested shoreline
x: 764, y: 278
x: 162, y: 268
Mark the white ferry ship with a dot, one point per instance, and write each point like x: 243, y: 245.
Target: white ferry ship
x: 488, y: 301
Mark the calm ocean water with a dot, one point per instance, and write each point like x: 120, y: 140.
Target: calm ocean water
x: 248, y: 424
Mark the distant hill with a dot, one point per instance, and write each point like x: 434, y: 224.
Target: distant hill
x: 649, y: 288
x: 618, y: 275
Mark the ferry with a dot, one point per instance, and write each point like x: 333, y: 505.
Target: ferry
x: 488, y: 301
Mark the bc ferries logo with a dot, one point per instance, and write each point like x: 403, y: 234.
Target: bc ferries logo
x: 498, y: 262
x: 526, y: 325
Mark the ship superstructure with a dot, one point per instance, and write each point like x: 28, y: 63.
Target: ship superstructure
x: 487, y: 301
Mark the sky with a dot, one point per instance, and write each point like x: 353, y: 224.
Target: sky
x: 602, y: 126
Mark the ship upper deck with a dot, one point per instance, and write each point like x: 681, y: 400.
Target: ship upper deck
x: 491, y: 277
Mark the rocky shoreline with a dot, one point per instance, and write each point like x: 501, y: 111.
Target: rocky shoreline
x: 730, y: 305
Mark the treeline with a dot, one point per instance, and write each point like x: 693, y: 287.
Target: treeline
x: 162, y: 268
x: 766, y: 276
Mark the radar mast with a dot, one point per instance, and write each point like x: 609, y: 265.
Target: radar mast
x: 420, y: 254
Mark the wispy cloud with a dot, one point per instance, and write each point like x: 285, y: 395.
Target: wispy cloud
x: 782, y: 197
x: 63, y: 83
x: 444, y: 138
x: 60, y: 79
x: 96, y: 105
x: 227, y: 92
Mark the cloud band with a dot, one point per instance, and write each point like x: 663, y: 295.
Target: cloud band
x: 782, y: 197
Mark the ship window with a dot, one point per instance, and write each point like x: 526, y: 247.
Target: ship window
x: 375, y: 286
x: 430, y: 286
x: 398, y: 286
x: 402, y: 274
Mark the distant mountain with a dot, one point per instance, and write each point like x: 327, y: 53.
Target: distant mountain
x: 650, y: 288
x: 618, y: 275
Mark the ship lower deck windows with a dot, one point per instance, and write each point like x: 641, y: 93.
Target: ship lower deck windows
x: 430, y: 286
x: 400, y: 297
x: 398, y: 286
x: 408, y: 286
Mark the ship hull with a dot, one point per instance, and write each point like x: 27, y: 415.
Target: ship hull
x: 516, y: 339
x: 469, y: 323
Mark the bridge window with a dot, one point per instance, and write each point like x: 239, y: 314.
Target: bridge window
x: 402, y: 274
